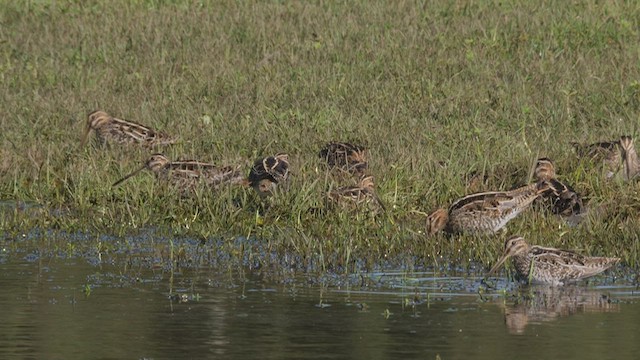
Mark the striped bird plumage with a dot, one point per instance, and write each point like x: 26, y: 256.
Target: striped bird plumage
x: 564, y: 200
x: 346, y: 157
x: 631, y: 163
x: 607, y: 152
x: 485, y: 212
x: 187, y: 174
x: 109, y: 129
x: 268, y: 173
x: 546, y: 265
x: 354, y: 196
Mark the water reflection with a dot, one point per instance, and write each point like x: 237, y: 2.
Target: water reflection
x: 57, y: 307
x: 539, y: 304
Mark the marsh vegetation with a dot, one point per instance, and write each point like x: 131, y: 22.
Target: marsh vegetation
x: 437, y: 91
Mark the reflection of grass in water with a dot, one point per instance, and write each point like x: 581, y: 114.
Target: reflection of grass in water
x: 436, y: 93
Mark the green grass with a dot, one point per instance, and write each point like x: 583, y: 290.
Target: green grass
x: 434, y: 89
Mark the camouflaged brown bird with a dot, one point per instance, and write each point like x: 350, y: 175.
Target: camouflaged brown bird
x: 486, y: 212
x: 537, y: 264
x: 362, y: 194
x: 563, y: 199
x: 269, y: 173
x: 186, y: 175
x: 607, y: 152
x: 631, y: 163
x: 113, y: 130
x: 345, y: 157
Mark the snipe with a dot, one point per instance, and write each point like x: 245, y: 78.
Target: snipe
x: 485, y: 212
x: 631, y: 162
x: 187, y: 174
x: 113, y: 130
x: 548, y: 265
x: 268, y: 173
x: 475, y: 181
x: 355, y: 196
x: 608, y: 152
x: 564, y: 200
x: 345, y: 156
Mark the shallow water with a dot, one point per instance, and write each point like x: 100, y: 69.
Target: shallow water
x: 59, y: 307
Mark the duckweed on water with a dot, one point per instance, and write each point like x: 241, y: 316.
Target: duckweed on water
x: 437, y: 92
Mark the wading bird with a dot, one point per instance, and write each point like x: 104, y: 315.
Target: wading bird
x: 354, y: 196
x: 187, y: 174
x: 113, y: 130
x: 564, y: 200
x: 608, y: 152
x: 346, y: 157
x: 268, y: 173
x: 539, y: 264
x: 485, y: 212
x: 630, y: 158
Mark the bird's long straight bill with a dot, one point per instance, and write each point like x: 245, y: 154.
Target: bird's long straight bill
x: 498, y: 264
x: 85, y: 135
x: 375, y: 196
x: 129, y: 176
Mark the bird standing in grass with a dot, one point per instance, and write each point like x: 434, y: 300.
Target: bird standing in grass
x: 187, y: 174
x: 354, y: 196
x: 485, y: 212
x: 607, y: 152
x: 346, y: 157
x: 112, y: 130
x: 564, y: 200
x: 269, y: 173
x: 631, y: 163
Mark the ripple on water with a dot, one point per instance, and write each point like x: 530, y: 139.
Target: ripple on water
x: 118, y: 303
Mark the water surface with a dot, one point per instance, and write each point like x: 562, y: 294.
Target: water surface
x: 63, y: 307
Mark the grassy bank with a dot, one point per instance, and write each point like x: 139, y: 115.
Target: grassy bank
x: 436, y: 90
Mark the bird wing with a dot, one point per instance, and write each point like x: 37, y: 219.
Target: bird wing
x: 570, y: 264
